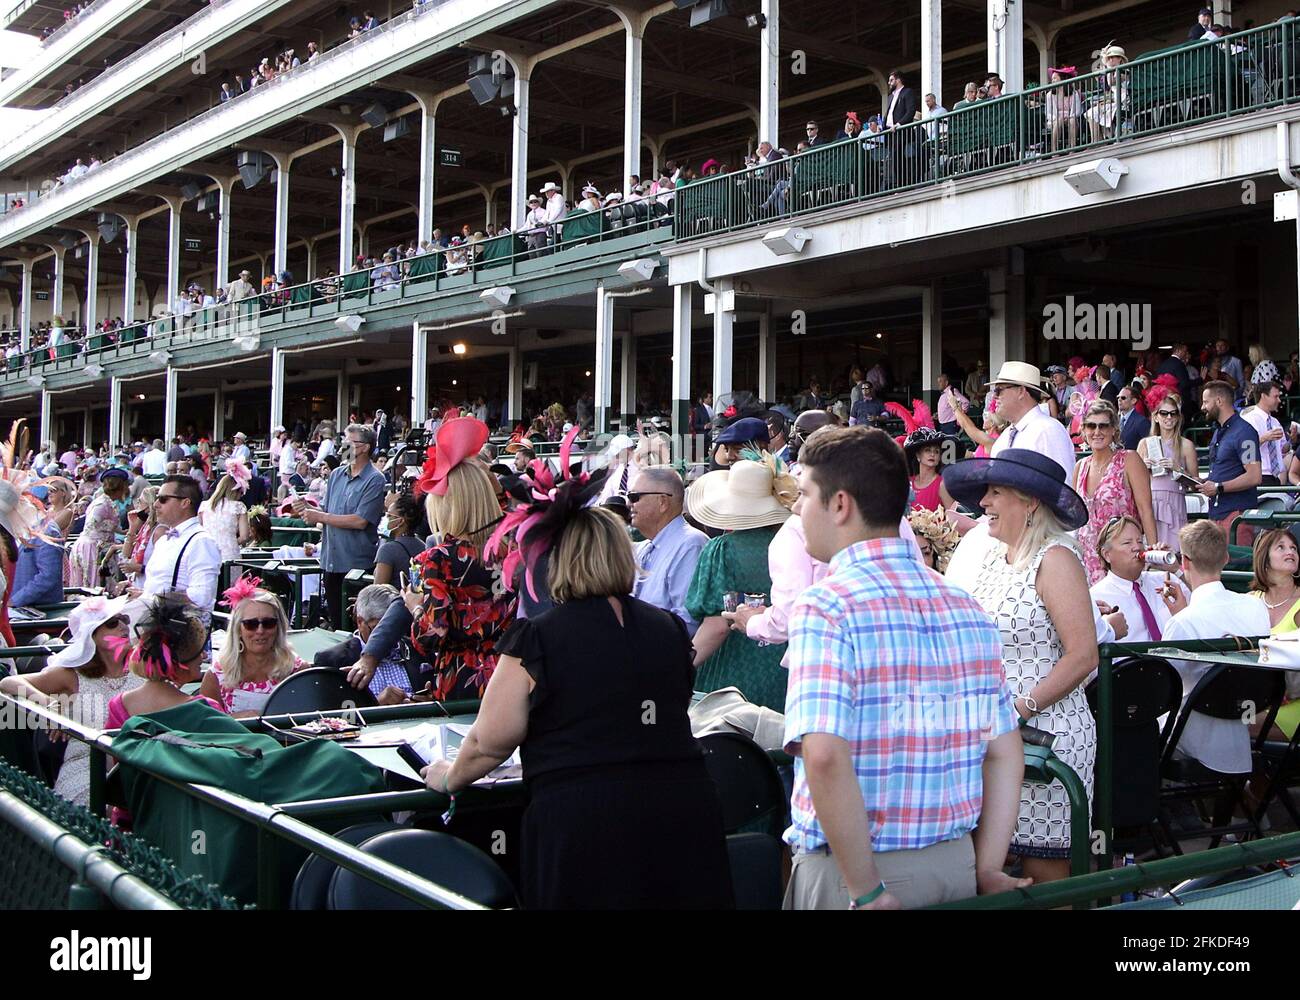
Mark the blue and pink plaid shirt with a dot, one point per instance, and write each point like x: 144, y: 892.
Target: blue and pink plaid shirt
x: 908, y: 670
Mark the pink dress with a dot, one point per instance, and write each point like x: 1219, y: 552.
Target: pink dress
x: 117, y: 713
x: 927, y: 497
x: 99, y: 532
x: 250, y: 696
x: 1111, y: 499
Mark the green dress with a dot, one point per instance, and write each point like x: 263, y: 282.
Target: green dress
x: 737, y: 561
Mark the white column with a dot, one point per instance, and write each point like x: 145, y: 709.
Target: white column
x: 769, y: 74
x: 227, y: 187
x: 627, y: 387
x: 311, y: 260
x: 604, y: 388
x: 515, y: 387
x: 1006, y: 317
x: 766, y: 357
x: 419, y: 375
x: 277, y: 387
x: 340, y: 404
x: 169, y: 404
x: 218, y: 414
x: 25, y: 309
x: 47, y: 417
x: 931, y: 336
x: 173, y: 255
x: 132, y: 237
x: 1006, y: 41
x: 60, y: 274
x: 90, y: 314
x: 632, y: 105
x: 281, y: 214
x: 519, y: 151
x: 348, y: 204
x: 87, y: 426
x: 114, y: 413
x: 931, y: 50
x: 681, y: 387
x: 723, y: 330
x: 428, y: 157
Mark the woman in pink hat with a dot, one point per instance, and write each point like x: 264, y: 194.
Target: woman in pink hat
x: 224, y: 515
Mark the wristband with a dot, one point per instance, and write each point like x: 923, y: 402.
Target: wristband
x: 871, y: 897
x: 1031, y: 703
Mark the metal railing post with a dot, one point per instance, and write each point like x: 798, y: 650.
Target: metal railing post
x: 1105, y: 766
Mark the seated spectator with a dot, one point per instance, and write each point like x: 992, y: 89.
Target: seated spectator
x: 1128, y: 586
x: 171, y: 640
x: 1212, y: 612
x: 38, y: 574
x: 405, y: 538
x: 398, y: 675
x: 868, y: 410
x: 79, y: 682
x: 255, y: 656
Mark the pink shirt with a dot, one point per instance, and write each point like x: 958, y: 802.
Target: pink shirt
x: 946, y: 415
x: 793, y: 571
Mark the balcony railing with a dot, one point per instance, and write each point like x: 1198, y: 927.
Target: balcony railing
x: 625, y: 229
x: 1174, y: 88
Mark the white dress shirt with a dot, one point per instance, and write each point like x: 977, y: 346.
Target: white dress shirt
x: 893, y: 100
x: 1215, y: 613
x: 1117, y: 591
x: 199, y: 565
x: 1272, y: 453
x: 1039, y: 432
x: 555, y: 209
x: 154, y: 462
x: 288, y: 460
x: 241, y: 452
x: 325, y: 450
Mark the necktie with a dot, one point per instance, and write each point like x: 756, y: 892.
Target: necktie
x: 622, y: 482
x: 1011, y: 441
x: 1148, y: 616
x: 1275, y: 449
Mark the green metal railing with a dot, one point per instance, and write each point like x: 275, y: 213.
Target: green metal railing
x: 1172, y: 88
x: 279, y: 822
x: 481, y: 264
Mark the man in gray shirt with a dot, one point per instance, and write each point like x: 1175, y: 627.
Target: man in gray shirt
x: 354, y: 505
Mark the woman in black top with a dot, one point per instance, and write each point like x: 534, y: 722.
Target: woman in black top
x: 622, y: 813
x: 406, y: 538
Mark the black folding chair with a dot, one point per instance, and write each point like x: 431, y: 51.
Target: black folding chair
x: 1144, y: 688
x: 750, y: 789
x: 318, y: 689
x: 311, y: 886
x: 1238, y: 693
x: 755, y: 860
x: 438, y: 857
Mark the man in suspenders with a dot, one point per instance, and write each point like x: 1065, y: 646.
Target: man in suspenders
x: 186, y: 559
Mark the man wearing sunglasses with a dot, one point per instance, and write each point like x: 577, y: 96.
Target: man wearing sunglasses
x: 672, y: 548
x: 186, y: 559
x: 1019, y: 389
x: 1133, y: 427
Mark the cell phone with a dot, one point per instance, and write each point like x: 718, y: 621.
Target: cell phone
x: 412, y: 757
x: 403, y: 579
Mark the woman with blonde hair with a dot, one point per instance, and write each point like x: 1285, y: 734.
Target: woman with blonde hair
x: 256, y: 655
x: 458, y: 599
x: 224, y: 515
x: 142, y: 531
x: 1263, y: 368
x: 748, y: 502
x: 1031, y: 583
x: 1167, y: 452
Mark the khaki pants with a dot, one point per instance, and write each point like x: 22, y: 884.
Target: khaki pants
x: 939, y: 873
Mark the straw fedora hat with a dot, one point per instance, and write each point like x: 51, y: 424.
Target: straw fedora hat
x: 1114, y: 50
x: 1018, y: 373
x: 737, y: 498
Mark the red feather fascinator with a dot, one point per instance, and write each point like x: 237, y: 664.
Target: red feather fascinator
x: 919, y: 416
x: 455, y: 441
x: 1164, y: 385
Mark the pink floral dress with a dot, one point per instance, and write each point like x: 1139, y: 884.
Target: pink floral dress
x: 1111, y: 499
x: 250, y: 696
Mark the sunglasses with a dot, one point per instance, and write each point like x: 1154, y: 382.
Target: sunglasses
x: 1166, y: 413
x: 1091, y: 426
x: 164, y: 497
x: 117, y: 621
x: 265, y: 624
x: 636, y: 497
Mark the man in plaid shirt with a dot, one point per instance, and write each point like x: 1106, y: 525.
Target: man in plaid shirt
x: 908, y: 755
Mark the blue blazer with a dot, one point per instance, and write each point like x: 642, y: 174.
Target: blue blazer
x: 38, y: 574
x: 1135, y: 430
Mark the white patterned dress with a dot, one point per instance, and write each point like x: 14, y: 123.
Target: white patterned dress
x: 90, y: 708
x: 1031, y: 647
x: 223, y: 525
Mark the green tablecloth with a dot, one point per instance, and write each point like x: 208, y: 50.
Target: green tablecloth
x: 291, y: 538
x: 581, y: 226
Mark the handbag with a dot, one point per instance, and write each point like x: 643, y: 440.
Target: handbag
x: 1282, y: 652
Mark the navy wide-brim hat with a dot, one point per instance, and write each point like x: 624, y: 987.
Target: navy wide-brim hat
x: 1023, y: 470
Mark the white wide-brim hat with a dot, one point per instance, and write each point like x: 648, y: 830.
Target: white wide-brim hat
x: 549, y: 186
x: 1018, y: 373
x: 82, y: 622
x: 737, y: 498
